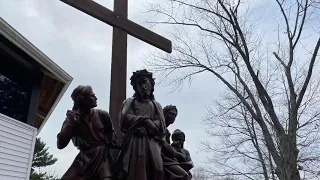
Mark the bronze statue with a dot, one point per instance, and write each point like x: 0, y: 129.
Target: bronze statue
x: 143, y: 126
x: 172, y: 168
x: 178, y: 138
x: 91, y: 131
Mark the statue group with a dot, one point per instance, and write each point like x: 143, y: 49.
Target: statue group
x: 145, y: 151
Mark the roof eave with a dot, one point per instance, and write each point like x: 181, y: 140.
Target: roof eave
x: 15, y: 37
x: 21, y: 42
x: 64, y: 89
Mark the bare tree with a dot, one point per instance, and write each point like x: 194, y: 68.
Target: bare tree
x: 200, y: 173
x: 238, y: 149
x: 277, y: 96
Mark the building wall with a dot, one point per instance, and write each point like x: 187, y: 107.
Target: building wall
x: 17, y: 142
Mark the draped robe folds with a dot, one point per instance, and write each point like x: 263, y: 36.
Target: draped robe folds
x: 90, y: 136
x: 140, y: 157
x: 171, y: 166
x: 188, y: 159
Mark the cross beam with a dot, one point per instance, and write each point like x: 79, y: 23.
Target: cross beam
x: 115, y: 19
x: 121, y: 26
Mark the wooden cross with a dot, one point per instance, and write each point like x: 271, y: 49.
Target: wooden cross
x: 121, y: 27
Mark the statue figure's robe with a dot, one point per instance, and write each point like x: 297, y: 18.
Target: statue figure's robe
x: 90, y: 136
x: 140, y: 157
x: 172, y: 169
x: 188, y: 160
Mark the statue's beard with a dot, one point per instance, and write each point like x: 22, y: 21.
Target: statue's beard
x: 144, y: 95
x: 169, y: 122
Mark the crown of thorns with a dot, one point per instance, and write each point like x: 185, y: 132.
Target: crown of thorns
x: 140, y: 73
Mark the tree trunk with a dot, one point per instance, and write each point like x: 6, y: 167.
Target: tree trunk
x: 289, y: 169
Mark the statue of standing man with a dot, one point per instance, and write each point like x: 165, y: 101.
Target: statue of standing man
x: 171, y: 166
x: 91, y: 131
x: 143, y: 125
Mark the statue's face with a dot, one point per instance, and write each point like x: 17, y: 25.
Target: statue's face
x: 144, y: 87
x: 170, y: 117
x: 177, y: 144
x: 179, y: 137
x: 90, y: 100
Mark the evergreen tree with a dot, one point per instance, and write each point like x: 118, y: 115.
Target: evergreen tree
x: 41, y: 158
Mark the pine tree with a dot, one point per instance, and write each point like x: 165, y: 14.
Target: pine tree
x: 41, y: 158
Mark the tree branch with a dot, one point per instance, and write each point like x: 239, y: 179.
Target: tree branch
x: 307, y: 80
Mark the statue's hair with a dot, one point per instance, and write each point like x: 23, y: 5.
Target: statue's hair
x: 78, y: 95
x: 176, y: 133
x: 139, y: 74
x: 168, y: 108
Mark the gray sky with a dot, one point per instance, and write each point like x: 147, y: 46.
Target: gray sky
x: 79, y: 43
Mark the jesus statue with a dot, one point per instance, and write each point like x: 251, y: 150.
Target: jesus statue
x: 143, y: 126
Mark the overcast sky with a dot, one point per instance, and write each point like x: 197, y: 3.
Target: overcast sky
x: 81, y: 45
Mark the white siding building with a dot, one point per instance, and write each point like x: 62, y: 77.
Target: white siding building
x: 31, y: 85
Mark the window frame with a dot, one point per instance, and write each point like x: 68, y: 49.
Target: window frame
x: 34, y: 72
